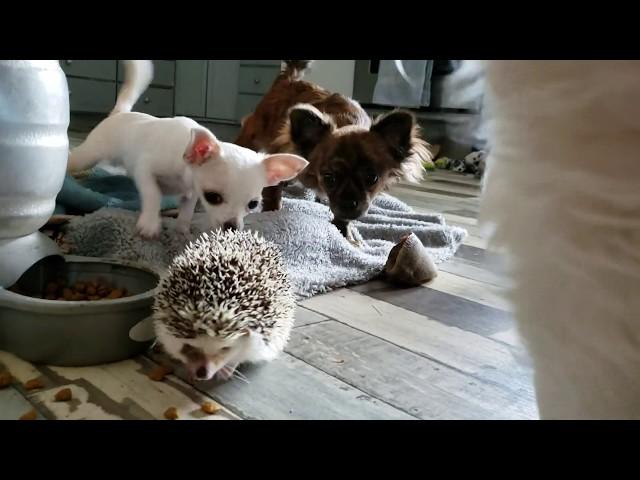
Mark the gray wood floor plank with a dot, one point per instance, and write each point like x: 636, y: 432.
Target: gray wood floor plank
x: 464, y: 351
x: 290, y: 389
x: 483, y: 258
x: 401, y: 378
x: 13, y: 405
x: 483, y: 293
x: 443, y: 307
x: 119, y: 390
x: 435, y: 204
x: 468, y: 269
x: 306, y: 317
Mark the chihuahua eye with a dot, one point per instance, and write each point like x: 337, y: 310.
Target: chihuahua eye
x: 252, y: 204
x: 213, y: 198
x: 371, y: 179
x: 329, y: 179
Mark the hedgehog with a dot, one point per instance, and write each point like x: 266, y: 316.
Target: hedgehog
x: 225, y: 300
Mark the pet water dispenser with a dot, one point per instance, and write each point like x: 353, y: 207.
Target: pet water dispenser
x: 34, y: 146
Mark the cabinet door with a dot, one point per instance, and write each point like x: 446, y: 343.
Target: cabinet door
x: 91, y: 96
x: 364, y: 80
x: 94, y: 69
x: 191, y: 88
x: 222, y: 89
x: 163, y: 73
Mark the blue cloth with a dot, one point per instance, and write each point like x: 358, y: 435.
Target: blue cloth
x: 102, y: 189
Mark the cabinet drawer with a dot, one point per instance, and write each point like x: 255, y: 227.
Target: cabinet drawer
x: 91, y: 95
x: 246, y: 104
x: 256, y: 80
x: 163, y: 72
x: 156, y: 101
x: 99, y: 69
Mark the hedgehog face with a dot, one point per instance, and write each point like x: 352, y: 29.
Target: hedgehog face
x: 205, y: 356
x: 230, y: 183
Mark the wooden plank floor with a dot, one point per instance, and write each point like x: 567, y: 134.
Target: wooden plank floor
x: 445, y: 350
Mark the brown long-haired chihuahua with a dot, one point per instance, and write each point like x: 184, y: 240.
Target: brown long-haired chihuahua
x: 351, y: 158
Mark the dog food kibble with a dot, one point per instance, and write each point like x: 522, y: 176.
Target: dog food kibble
x: 171, y: 413
x: 33, y: 384
x: 76, y: 292
x: 63, y: 395
x: 5, y: 379
x: 116, y: 293
x: 210, y: 408
x: 158, y: 373
x: 30, y: 415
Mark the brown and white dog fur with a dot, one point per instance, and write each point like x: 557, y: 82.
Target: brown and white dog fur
x: 351, y: 158
x: 562, y: 192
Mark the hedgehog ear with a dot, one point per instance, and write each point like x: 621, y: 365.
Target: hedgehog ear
x: 202, y: 146
x: 281, y: 167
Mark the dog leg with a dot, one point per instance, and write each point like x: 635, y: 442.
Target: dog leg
x: 346, y: 230
x: 272, y: 198
x: 185, y: 214
x: 149, y: 222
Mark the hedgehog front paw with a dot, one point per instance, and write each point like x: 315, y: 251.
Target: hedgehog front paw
x: 226, y: 372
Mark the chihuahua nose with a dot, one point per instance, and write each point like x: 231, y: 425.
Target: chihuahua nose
x: 201, y: 372
x: 230, y: 226
x: 349, y: 204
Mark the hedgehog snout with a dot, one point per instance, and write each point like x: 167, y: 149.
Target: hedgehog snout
x: 201, y: 372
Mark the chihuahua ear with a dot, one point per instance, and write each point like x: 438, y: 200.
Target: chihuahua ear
x: 281, y: 167
x: 203, y: 146
x: 396, y: 128
x: 308, y: 126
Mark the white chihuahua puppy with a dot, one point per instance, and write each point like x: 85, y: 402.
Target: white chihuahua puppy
x: 177, y: 156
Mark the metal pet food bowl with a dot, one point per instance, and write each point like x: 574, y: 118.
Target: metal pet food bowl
x: 79, y: 333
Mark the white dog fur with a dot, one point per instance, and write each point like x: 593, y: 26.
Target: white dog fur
x: 177, y: 156
x: 562, y: 194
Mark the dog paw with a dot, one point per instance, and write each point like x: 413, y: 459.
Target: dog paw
x: 183, y: 228
x: 355, y: 243
x: 149, y: 228
x: 351, y: 237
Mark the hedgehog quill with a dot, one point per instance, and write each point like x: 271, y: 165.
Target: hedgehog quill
x: 225, y: 300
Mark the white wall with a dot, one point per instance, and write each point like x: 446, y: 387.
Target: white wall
x: 334, y: 75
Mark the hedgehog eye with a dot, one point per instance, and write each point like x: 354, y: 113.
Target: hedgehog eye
x: 252, y: 204
x: 213, y: 198
x: 225, y: 349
